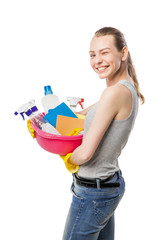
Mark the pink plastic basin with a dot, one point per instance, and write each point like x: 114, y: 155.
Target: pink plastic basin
x: 57, y: 144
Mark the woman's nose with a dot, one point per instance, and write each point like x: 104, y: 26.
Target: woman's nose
x: 98, y: 59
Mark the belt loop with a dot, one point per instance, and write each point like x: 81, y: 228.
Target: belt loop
x: 73, y: 175
x: 119, y: 173
x: 98, y: 183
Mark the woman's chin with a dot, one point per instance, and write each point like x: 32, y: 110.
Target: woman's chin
x: 101, y: 76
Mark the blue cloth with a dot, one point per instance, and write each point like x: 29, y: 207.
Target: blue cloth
x: 62, y: 109
x: 91, y: 214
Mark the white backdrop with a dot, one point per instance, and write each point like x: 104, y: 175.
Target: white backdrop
x: 47, y: 42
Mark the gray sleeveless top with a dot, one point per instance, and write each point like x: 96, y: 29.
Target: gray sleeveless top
x: 104, y: 161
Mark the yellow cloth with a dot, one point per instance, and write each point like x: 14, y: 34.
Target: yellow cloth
x: 80, y: 116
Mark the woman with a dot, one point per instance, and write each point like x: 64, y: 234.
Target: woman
x: 99, y: 186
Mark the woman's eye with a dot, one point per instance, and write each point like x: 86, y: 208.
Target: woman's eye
x: 92, y: 55
x: 104, y: 52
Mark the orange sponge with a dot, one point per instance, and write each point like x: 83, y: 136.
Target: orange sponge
x: 65, y: 125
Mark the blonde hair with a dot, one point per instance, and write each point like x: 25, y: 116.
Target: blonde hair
x: 120, y: 43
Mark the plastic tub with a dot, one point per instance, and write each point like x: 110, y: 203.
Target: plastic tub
x: 57, y: 144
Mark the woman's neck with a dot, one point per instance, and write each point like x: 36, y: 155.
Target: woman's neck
x: 121, y: 75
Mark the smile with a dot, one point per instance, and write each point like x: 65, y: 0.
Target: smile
x: 102, y: 69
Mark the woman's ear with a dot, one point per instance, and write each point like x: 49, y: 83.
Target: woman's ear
x: 124, y: 53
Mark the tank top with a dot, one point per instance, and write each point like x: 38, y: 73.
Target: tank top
x: 104, y: 161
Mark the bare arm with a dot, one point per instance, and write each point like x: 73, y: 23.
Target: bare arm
x: 85, y: 111
x: 107, y: 109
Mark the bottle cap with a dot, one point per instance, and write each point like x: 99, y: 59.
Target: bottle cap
x: 47, y: 90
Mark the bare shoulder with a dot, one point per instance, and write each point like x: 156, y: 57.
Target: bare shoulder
x: 118, y: 98
x: 117, y: 92
x: 124, y: 93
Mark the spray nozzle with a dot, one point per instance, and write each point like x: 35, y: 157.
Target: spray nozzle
x: 80, y: 102
x: 25, y: 108
x: 74, y: 101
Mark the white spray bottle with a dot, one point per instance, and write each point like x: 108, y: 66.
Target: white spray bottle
x: 74, y: 101
x: 36, y: 117
x: 32, y: 112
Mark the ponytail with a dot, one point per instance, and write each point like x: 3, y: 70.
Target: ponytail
x: 132, y: 73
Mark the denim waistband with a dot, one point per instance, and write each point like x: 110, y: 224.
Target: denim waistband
x: 97, y: 182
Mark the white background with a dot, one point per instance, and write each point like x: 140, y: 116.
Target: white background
x: 47, y: 42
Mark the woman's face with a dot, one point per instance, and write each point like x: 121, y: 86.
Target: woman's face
x: 105, y: 59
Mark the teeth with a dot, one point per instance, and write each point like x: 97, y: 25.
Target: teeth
x: 101, y: 68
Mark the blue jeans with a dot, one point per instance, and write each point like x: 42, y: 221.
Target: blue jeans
x: 91, y: 214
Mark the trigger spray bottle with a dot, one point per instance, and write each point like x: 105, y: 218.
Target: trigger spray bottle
x: 32, y: 112
x: 74, y: 101
x: 36, y: 117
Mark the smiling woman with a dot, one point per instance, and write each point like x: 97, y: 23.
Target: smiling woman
x: 99, y: 185
x: 105, y: 58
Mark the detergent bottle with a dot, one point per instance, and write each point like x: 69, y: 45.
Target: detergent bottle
x: 49, y: 101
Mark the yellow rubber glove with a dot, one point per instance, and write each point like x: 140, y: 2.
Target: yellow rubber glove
x: 30, y: 129
x: 72, y: 168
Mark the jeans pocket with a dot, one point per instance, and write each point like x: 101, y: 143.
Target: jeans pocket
x: 76, y: 193
x: 103, y: 210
